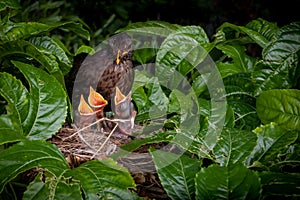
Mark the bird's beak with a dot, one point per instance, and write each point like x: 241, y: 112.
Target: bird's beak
x: 84, y: 108
x: 119, y: 97
x: 120, y: 56
x: 96, y: 100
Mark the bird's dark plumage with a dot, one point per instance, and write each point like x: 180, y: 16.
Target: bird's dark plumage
x: 109, y: 67
x: 110, y: 71
x: 119, y: 74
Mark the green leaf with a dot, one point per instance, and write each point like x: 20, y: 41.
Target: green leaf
x: 275, y: 184
x: 265, y: 29
x: 271, y: 139
x: 23, y: 30
x: 196, y: 32
x: 237, y: 182
x: 239, y: 89
x: 215, y: 114
x: 9, y: 4
x: 151, y: 101
x: 157, y: 96
x: 181, y: 103
x: 180, y: 53
x: 52, y: 188
x: 10, y: 126
x: 145, y: 55
x: 125, y: 149
x: 17, y: 108
x: 103, y: 180
x: 27, y: 155
x: 267, y: 79
x: 229, y: 120
x: 259, y: 30
x: 285, y: 43
x: 281, y: 59
x: 85, y: 49
x: 47, y: 105
x: 140, y: 98
x: 27, y: 49
x: 234, y: 146
x: 280, y: 106
x: 91, y: 180
x: 75, y: 27
x: 199, y: 84
x: 241, y: 62
x: 177, y: 176
x: 158, y: 28
x: 49, y: 47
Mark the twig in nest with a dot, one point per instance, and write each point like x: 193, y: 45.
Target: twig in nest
x: 99, y: 120
x: 113, y: 130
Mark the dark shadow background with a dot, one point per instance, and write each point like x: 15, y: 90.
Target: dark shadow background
x: 208, y: 14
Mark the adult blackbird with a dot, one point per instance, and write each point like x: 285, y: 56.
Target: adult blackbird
x: 108, y: 68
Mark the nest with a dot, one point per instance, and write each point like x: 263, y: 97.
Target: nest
x: 88, y: 144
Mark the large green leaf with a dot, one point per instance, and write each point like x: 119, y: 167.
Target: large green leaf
x: 271, y: 139
x: 27, y: 155
x: 125, y: 149
x: 9, y: 4
x: 93, y: 180
x: 180, y: 53
x: 281, y: 59
x: 241, y: 62
x: 103, y: 180
x: 47, y: 103
x: 264, y: 28
x: 52, y: 188
x: 151, y: 100
x: 234, y: 146
x: 22, y: 30
x: 237, y: 182
x: 50, y: 48
x: 280, y: 184
x: 25, y: 48
x: 215, y: 114
x: 280, y: 106
x: 156, y: 28
x: 17, y: 108
x: 77, y: 28
x: 285, y: 43
x: 176, y: 173
x: 239, y: 89
x: 181, y: 103
x: 259, y: 30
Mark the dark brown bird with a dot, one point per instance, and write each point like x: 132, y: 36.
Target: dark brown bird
x: 120, y: 72
x: 108, y: 68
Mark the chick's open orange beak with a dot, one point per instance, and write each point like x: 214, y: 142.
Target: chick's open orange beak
x: 96, y: 100
x: 119, y: 96
x: 84, y: 108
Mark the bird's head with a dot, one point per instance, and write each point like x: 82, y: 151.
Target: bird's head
x: 123, y: 105
x: 121, y: 45
x: 124, y: 110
